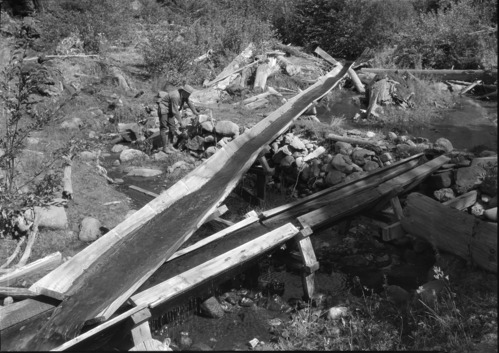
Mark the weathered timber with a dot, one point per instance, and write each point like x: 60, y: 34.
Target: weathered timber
x: 44, y: 264
x: 257, y: 104
x: 352, y: 140
x: 462, y: 75
x: 269, y: 92
x: 349, y: 204
x: 264, y: 71
x: 202, y: 273
x: 452, y: 230
x: 141, y: 331
x: 470, y: 87
x: 179, y: 210
x: 67, y: 189
x: 462, y: 201
x: 16, y: 293
x: 62, y: 56
x: 150, y: 345
x: 353, y: 75
x: 310, y: 264
x: 144, y: 191
x: 31, y: 240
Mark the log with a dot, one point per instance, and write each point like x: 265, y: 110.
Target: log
x: 444, y: 75
x: 269, y: 92
x: 177, y: 285
x: 238, y: 64
x: 470, y: 87
x: 62, y: 56
x: 257, y: 104
x: 47, y: 263
x: 144, y: 191
x: 31, y: 240
x: 451, y: 230
x: 463, y: 201
x: 353, y: 75
x: 216, y: 80
x: 93, y: 271
x: 264, y: 71
x: 352, y: 140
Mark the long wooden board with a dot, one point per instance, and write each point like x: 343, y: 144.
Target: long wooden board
x: 179, y: 284
x: 100, y: 277
x: 47, y: 263
x: 452, y: 230
x: 464, y: 75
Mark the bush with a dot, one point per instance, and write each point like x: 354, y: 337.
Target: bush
x: 92, y: 21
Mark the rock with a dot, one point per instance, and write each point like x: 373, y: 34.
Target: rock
x: 353, y: 176
x: 491, y: 214
x: 116, y: 163
x: 441, y: 180
x: 180, y: 164
x: 52, y: 217
x: 443, y: 144
x: 131, y: 154
x: 72, y: 124
x: 144, y: 172
x: 337, y: 312
x: 92, y: 135
x: 343, y: 148
x: 403, y: 149
x: 297, y: 144
x: 334, y: 177
x: 8, y: 301
x: 392, y: 136
x: 370, y: 134
x: 430, y: 291
x: 370, y: 165
x: 342, y: 163
x: 359, y: 155
x: 212, y: 308
x: 88, y: 156
x: 443, y: 195
x: 468, y: 177
x: 287, y: 162
x: 196, y: 143
x: 207, y: 126
x: 160, y: 156
x: 209, y: 139
x: 477, y: 209
x: 227, y: 128
x: 119, y: 148
x: 397, y: 295
x: 210, y: 151
x: 89, y: 229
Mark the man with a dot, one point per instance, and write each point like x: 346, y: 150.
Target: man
x: 170, y: 103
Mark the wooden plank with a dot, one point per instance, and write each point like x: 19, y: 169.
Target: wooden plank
x: 21, y: 311
x: 464, y: 75
x: 150, y: 345
x: 463, y: 201
x: 397, y: 207
x: 16, y: 293
x: 309, y: 262
x: 452, y: 230
x: 159, y: 228
x: 144, y: 191
x: 371, y: 179
x: 43, y: 264
x: 177, y: 285
x: 141, y: 333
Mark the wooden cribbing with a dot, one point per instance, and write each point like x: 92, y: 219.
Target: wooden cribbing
x: 156, y: 231
x: 452, y: 230
x: 177, y: 285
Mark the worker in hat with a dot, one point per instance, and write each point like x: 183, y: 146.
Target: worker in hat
x: 171, y: 101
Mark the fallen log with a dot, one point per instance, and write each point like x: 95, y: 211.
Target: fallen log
x: 257, y: 104
x: 470, y: 87
x: 353, y: 75
x: 180, y: 210
x: 452, y: 230
x: 269, y: 92
x: 352, y: 140
x: 444, y: 75
x: 47, y: 263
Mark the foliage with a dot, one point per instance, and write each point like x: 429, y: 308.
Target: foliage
x: 92, y: 21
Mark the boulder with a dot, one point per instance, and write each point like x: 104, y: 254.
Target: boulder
x: 209, y: 139
x: 287, y: 161
x: 210, y: 151
x: 441, y: 180
x: 144, y: 172
x: 342, y: 163
x: 370, y: 165
x: 8, y: 301
x: 52, y: 217
x: 196, y: 143
x: 343, y: 147
x: 227, y: 128
x: 334, y: 177
x: 359, y: 155
x: 119, y: 148
x: 160, y: 156
x: 180, y: 164
x: 89, y: 229
x: 297, y: 144
x: 131, y: 154
x: 443, y: 144
x: 207, y: 126
x: 212, y: 308
x: 468, y: 177
x: 445, y: 194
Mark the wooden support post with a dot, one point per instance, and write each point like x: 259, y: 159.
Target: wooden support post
x: 141, y: 330
x: 310, y: 264
x: 397, y: 207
